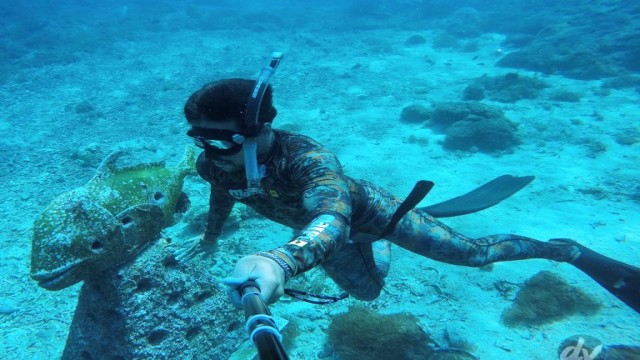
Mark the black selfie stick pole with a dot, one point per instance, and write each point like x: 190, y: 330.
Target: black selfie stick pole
x: 259, y: 322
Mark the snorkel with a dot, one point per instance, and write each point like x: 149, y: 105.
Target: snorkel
x: 252, y: 127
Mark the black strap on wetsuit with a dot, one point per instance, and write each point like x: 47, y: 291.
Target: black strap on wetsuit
x: 417, y: 194
x: 318, y: 299
x: 420, y: 190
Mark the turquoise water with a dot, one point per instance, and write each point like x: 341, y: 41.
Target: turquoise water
x: 80, y: 79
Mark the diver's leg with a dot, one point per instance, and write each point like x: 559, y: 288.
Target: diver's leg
x: 362, y: 264
x: 422, y: 234
x: 382, y: 257
x: 360, y: 268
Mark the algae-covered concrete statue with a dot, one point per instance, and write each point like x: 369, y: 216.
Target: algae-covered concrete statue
x: 155, y: 308
x: 136, y: 301
x: 107, y: 221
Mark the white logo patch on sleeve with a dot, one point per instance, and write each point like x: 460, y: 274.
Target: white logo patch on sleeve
x: 313, y: 230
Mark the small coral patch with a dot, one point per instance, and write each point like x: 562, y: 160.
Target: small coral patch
x: 546, y: 298
x: 362, y: 333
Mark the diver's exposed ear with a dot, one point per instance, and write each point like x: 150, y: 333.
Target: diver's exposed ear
x: 266, y: 130
x: 266, y: 137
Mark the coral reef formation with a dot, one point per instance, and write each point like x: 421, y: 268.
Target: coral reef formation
x: 565, y: 96
x: 507, y: 88
x: 465, y: 22
x: 415, y: 39
x: 362, y: 333
x: 546, y: 298
x: 415, y: 114
x: 547, y: 44
x: 470, y: 126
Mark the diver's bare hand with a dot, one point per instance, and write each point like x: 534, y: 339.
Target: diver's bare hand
x: 195, y: 247
x: 267, y: 274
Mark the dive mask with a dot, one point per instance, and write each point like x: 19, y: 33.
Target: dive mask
x: 217, y: 142
x: 226, y: 142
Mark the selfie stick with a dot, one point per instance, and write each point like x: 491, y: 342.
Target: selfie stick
x: 260, y: 324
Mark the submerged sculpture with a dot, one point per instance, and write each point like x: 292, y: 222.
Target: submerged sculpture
x: 107, y: 221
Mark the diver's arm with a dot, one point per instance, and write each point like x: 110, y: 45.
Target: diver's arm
x: 327, y: 201
x: 326, y: 233
x: 220, y: 202
x: 220, y: 206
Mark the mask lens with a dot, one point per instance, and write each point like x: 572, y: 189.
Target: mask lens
x: 218, y: 142
x: 199, y: 141
x: 221, y: 144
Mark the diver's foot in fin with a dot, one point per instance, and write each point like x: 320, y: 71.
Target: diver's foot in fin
x: 382, y: 256
x: 620, y: 279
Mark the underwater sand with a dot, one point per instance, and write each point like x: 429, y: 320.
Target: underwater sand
x: 347, y: 91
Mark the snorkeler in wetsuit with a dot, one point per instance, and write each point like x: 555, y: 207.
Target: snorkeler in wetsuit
x: 295, y: 181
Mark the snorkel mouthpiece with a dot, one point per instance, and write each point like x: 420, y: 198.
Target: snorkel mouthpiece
x: 251, y: 124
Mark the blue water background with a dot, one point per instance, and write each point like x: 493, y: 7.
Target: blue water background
x: 77, y: 78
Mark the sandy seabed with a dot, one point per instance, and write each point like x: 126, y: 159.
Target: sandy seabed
x: 347, y: 91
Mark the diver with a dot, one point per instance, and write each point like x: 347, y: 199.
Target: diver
x: 344, y: 225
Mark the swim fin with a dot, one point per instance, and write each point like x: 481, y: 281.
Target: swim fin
x: 481, y: 198
x: 620, y: 279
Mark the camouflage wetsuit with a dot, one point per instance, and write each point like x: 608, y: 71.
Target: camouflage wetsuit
x: 304, y: 188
